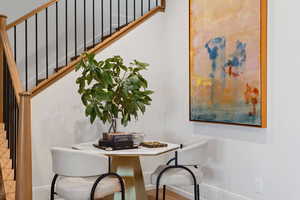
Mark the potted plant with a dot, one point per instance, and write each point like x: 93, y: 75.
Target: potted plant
x: 110, y: 90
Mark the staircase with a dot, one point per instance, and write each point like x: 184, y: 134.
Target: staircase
x: 39, y: 49
x: 54, y: 36
x: 8, y: 186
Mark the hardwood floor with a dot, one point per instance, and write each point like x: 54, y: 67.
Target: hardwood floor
x: 151, y: 196
x: 169, y: 195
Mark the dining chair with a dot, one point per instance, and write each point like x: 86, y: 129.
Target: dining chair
x: 185, y: 169
x: 78, y: 173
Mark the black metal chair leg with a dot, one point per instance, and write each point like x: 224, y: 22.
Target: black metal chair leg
x: 102, y: 177
x: 52, y: 193
x: 198, y: 191
x: 174, y: 167
x: 157, y: 189
x: 195, y: 192
x: 164, y: 192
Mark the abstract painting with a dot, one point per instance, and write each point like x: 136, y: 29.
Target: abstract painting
x: 228, y: 61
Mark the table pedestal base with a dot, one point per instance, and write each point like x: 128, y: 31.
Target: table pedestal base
x: 130, y: 169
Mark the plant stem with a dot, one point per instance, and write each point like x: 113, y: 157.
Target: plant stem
x: 113, y: 126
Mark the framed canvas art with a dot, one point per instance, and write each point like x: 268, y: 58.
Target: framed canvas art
x: 228, y: 61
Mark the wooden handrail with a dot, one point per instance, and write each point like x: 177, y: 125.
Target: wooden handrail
x: 55, y: 77
x: 8, y: 53
x: 24, y: 151
x: 163, y: 4
x: 30, y: 14
x: 46, y: 5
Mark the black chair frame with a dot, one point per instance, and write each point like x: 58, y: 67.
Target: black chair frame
x: 176, y: 166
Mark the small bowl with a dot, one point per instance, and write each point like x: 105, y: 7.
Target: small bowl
x: 138, y: 138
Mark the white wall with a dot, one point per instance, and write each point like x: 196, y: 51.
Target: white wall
x: 243, y: 156
x: 14, y: 9
x: 58, y: 114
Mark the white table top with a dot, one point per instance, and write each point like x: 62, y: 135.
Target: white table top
x: 141, y: 151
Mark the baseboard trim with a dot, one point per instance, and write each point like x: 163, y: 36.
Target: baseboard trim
x: 41, y: 192
x: 209, y: 192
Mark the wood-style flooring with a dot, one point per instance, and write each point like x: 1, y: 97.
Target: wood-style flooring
x: 169, y: 196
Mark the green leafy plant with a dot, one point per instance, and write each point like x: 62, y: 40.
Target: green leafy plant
x: 110, y: 90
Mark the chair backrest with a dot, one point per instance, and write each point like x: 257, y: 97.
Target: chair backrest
x: 195, y: 152
x: 76, y: 163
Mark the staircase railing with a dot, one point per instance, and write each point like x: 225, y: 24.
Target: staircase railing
x: 61, y: 30
x: 29, y: 44
x: 105, y: 42
x: 15, y: 112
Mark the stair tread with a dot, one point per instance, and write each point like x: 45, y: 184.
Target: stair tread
x: 8, y: 174
x: 9, y: 186
x: 4, y: 154
x: 10, y: 196
x: 6, y: 163
x: 3, y: 134
x: 3, y: 148
x: 3, y: 143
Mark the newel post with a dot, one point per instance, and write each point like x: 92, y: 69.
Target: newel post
x: 163, y: 4
x: 2, y: 28
x: 24, y: 156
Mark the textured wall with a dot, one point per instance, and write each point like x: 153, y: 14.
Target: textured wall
x: 242, y: 157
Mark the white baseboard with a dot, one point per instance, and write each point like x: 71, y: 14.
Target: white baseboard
x: 209, y: 192
x: 41, y: 192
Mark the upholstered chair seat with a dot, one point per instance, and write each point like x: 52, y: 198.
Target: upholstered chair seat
x: 79, y: 176
x: 79, y: 188
x: 177, y: 176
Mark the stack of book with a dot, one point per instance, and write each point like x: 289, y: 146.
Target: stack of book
x: 117, y: 141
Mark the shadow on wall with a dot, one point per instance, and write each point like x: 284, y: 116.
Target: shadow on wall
x: 212, y: 153
x: 242, y: 133
x: 82, y: 131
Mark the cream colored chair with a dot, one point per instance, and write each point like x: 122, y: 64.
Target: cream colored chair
x: 78, y: 173
x: 186, y: 170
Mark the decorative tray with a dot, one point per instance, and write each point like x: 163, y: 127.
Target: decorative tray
x: 153, y: 144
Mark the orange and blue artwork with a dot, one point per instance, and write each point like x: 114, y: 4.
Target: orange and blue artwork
x: 226, y: 62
